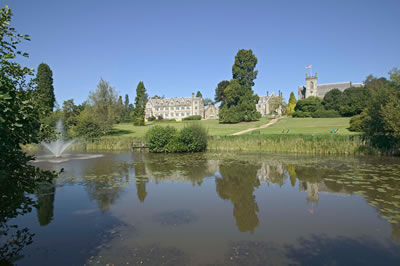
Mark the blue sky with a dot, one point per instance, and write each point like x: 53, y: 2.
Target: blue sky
x: 179, y: 47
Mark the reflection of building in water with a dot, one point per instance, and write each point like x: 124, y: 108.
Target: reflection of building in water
x: 271, y: 173
x: 313, y: 190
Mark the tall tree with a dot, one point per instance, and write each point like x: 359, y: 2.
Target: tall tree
x: 140, y: 104
x: 103, y: 105
x: 198, y: 94
x: 243, y: 68
x: 45, y: 90
x: 126, y: 103
x: 291, y: 104
x: 239, y: 96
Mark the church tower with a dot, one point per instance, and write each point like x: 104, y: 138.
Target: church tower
x: 311, y: 85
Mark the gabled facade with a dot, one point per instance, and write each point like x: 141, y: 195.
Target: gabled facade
x: 175, y: 108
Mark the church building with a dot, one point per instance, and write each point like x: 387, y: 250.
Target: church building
x: 312, y: 88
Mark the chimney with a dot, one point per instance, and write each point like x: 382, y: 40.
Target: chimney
x: 192, y: 94
x: 267, y: 93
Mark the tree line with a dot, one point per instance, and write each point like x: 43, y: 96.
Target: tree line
x: 95, y: 116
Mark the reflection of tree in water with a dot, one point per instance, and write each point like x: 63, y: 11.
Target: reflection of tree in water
x: 45, y: 203
x: 183, y: 167
x: 104, y: 181
x: 140, y: 175
x: 292, y: 174
x: 237, y: 183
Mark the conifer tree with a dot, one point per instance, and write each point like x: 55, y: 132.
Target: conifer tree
x: 140, y: 105
x: 45, y: 97
x: 291, y: 105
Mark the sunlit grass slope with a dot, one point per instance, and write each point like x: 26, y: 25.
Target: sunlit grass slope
x: 213, y: 126
x: 309, y: 126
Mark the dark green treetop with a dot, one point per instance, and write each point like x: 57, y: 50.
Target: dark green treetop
x: 45, y: 90
x: 244, y: 68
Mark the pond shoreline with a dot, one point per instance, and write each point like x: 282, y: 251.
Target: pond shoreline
x: 292, y: 144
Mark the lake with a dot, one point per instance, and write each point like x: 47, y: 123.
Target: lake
x: 216, y: 209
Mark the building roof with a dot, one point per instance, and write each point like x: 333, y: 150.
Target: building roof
x: 322, y: 89
x: 173, y: 101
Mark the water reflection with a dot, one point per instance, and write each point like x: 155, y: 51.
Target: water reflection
x: 237, y: 183
x: 238, y: 201
x: 45, y: 203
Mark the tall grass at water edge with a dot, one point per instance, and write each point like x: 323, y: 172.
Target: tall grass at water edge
x: 308, y: 144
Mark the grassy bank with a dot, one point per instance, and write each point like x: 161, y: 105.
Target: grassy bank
x: 306, y: 135
x: 309, y: 126
x: 307, y: 144
x: 212, y: 125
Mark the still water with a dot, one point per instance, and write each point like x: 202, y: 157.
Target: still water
x: 217, y: 209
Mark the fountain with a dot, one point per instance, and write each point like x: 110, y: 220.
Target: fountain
x: 58, y: 146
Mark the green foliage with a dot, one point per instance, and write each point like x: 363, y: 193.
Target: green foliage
x: 44, y: 93
x: 332, y: 100
x: 354, y: 100
x: 322, y: 113
x: 356, y: 123
x: 19, y: 125
x: 198, y: 94
x: 192, y: 138
x: 87, y: 126
x: 380, y: 119
x: 238, y: 101
x: 158, y: 138
x: 103, y: 103
x: 291, y: 105
x: 193, y: 117
x: 243, y: 68
x: 240, y: 104
x: 301, y: 114
x: 219, y: 91
x: 311, y: 104
x: 140, y: 105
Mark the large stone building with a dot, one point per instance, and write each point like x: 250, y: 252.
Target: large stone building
x: 175, y: 108
x: 264, y: 105
x: 312, y: 88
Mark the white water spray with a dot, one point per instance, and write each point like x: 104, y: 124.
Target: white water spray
x: 58, y: 146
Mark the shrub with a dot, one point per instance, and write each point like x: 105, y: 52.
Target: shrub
x: 158, y: 138
x: 301, y: 114
x: 356, y: 123
x: 311, y: 104
x: 194, y: 137
x: 193, y: 117
x: 322, y: 113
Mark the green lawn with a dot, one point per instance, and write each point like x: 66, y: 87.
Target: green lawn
x: 213, y: 126
x: 309, y: 126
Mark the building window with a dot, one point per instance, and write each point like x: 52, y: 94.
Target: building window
x: 187, y: 114
x: 195, y: 107
x: 188, y: 107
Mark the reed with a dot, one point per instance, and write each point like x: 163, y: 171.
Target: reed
x: 106, y: 144
x: 323, y: 144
